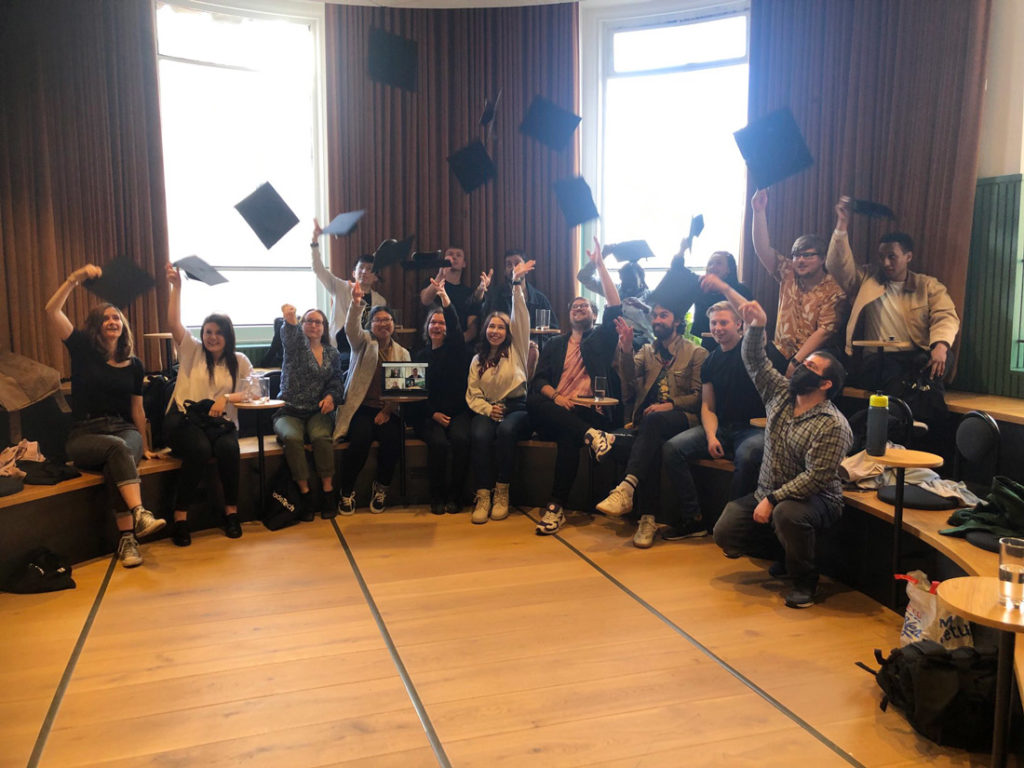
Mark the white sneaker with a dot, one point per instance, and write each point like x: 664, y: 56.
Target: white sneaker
x: 347, y: 504
x: 600, y: 442
x: 482, y: 510
x: 146, y: 524
x: 128, y: 551
x: 552, y: 520
x: 499, y: 507
x: 619, y: 502
x: 379, y: 498
x: 644, y: 536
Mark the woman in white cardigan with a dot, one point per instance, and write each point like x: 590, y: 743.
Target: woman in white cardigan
x: 365, y: 416
x: 496, y: 393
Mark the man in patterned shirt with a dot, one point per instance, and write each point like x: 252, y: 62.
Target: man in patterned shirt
x: 812, y: 306
x: 798, y: 491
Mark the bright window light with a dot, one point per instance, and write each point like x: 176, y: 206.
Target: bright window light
x: 681, y: 45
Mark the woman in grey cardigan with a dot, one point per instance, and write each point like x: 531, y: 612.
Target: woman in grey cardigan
x: 365, y: 415
x: 496, y: 393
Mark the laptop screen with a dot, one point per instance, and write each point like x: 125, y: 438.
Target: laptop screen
x: 404, y: 378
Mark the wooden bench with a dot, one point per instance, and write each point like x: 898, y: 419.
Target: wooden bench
x: 1006, y: 409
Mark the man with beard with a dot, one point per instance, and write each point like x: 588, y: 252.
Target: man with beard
x: 665, y: 378
x: 798, y: 491
x: 566, y: 371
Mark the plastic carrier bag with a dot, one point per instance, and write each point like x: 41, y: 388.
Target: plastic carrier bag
x: 927, y: 619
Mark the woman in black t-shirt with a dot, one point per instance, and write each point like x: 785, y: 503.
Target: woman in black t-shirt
x: 109, y: 431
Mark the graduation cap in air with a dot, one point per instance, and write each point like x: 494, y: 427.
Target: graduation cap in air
x: 696, y: 225
x: 472, y: 166
x: 871, y: 209
x: 490, y: 110
x: 391, y: 252
x: 677, y: 291
x: 343, y: 223
x: 121, y: 282
x: 774, y: 148
x: 267, y: 214
x: 393, y: 59
x: 630, y: 250
x: 576, y: 201
x: 549, y: 124
x: 197, y: 269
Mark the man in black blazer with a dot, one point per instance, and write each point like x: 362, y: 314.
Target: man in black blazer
x: 568, y: 364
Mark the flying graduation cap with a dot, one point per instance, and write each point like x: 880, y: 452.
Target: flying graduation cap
x: 394, y: 60
x: 774, y: 148
x: 122, y: 280
x: 267, y: 214
x: 197, y: 269
x: 472, y: 166
x: 696, y: 225
x: 677, y: 291
x: 630, y: 250
x: 576, y: 201
x: 490, y: 110
x: 390, y: 252
x: 871, y: 209
x: 549, y: 124
x: 343, y: 223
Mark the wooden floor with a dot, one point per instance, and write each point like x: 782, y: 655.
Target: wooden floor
x: 492, y: 647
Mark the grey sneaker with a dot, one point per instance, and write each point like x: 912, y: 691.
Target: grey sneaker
x: 688, y: 529
x: 644, y: 536
x: 619, y: 502
x: 552, y: 520
x: 378, y: 498
x: 802, y: 595
x: 347, y: 504
x: 128, y: 551
x: 146, y: 524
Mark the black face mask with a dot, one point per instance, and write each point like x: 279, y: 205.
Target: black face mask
x: 804, y: 380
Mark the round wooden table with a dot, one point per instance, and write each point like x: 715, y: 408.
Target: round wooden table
x: 977, y: 598
x: 759, y: 421
x: 261, y: 408
x: 595, y: 402
x: 902, y: 459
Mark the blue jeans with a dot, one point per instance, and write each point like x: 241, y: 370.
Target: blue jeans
x: 109, y: 444
x: 742, y: 443
x: 493, y: 447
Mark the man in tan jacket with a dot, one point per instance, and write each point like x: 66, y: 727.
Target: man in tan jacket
x: 892, y: 304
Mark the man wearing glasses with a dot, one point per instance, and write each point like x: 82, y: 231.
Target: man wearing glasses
x: 812, y: 306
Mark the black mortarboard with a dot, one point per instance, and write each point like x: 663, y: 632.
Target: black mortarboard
x: 774, y: 148
x: 696, y: 225
x: 267, y: 214
x: 393, y: 59
x: 576, y: 201
x: 872, y: 210
x: 343, y: 223
x: 472, y: 166
x: 121, y: 282
x: 549, y: 124
x: 391, y: 252
x: 490, y: 110
x: 630, y: 250
x: 197, y: 269
x: 677, y: 291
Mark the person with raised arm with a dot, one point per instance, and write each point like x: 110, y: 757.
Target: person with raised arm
x: 798, y: 491
x: 109, y: 429
x: 365, y: 415
x: 722, y: 265
x: 496, y: 393
x: 311, y: 387
x: 566, y: 370
x: 812, y: 305
x: 443, y: 420
x: 467, y: 301
x: 209, y: 370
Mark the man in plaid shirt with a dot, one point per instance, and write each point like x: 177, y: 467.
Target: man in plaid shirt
x: 798, y: 491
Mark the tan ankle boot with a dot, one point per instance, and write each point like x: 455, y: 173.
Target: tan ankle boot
x: 482, y: 510
x: 499, y: 511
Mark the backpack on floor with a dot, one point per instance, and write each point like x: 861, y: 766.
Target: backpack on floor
x: 948, y: 696
x: 41, y: 570
x: 282, y: 503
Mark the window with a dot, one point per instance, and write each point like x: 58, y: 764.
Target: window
x: 240, y: 96
x: 669, y: 91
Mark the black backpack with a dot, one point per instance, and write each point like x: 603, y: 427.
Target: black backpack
x: 947, y: 696
x: 282, y: 502
x: 40, y: 571
x: 156, y: 395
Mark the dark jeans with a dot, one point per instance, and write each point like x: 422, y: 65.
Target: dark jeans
x: 742, y: 443
x: 109, y: 444
x: 887, y: 372
x: 494, y: 446
x: 189, y: 443
x: 567, y: 429
x: 645, y: 457
x: 443, y: 442
x: 791, y: 533
x: 361, y: 432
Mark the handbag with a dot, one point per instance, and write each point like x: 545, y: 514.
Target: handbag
x: 40, y: 571
x: 197, y: 413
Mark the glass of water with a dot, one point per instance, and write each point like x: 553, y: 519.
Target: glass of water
x: 600, y: 387
x: 543, y: 319
x: 1011, y: 571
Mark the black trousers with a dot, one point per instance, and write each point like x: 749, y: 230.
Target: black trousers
x: 444, y: 443
x: 361, y: 432
x: 567, y: 429
x: 190, y: 444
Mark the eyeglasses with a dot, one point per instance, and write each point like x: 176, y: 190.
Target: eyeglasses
x: 574, y: 307
x: 313, y: 322
x: 804, y: 255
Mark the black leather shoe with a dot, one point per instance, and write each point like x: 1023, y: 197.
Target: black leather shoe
x: 306, y: 513
x: 232, y: 527
x: 181, y: 535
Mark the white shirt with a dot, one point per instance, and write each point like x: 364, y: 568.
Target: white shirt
x: 194, y: 378
x: 883, y: 317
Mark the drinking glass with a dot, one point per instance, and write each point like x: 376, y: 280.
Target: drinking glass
x: 600, y: 387
x: 1011, y: 571
x: 543, y: 319
x: 264, y: 389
